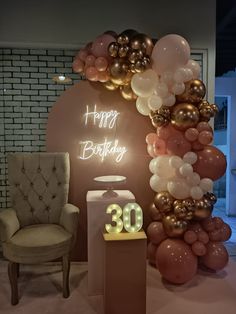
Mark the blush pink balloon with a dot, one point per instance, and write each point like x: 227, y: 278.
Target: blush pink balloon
x: 216, y: 257
x: 78, y: 66
x: 218, y: 222
x: 164, y: 132
x: 190, y: 237
x: 151, y: 253
x: 176, y: 261
x: 90, y: 60
x: 155, y: 232
x: 204, y: 126
x: 100, y: 45
x: 208, y: 224
x: 159, y: 147
x: 101, y: 64
x: 91, y: 74
x: 151, y: 138
x: 83, y: 54
x: 170, y: 52
x: 205, y: 137
x: 199, y: 248
x: 211, y: 163
x: 196, y: 146
x: 177, y: 145
x: 203, y: 237
x: 226, y: 232
x: 215, y: 235
x: 150, y: 150
x: 191, y: 134
x: 196, y: 227
x: 103, y: 76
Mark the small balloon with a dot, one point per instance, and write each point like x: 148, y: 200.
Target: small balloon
x: 156, y: 233
x: 216, y: 257
x: 195, y: 91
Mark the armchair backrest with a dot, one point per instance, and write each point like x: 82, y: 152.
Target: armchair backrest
x: 39, y: 184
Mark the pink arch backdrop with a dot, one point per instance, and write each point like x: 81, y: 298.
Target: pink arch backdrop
x: 163, y: 82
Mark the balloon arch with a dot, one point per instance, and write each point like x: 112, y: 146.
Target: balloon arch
x: 165, y: 83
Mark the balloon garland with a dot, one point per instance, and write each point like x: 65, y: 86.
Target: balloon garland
x: 165, y: 83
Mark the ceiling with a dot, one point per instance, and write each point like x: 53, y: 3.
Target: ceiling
x: 225, y: 36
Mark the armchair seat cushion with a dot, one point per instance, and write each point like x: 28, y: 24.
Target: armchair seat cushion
x: 38, y: 243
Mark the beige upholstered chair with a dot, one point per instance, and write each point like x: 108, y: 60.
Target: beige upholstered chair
x: 41, y: 226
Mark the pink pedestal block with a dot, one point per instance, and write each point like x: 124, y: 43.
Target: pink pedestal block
x: 97, y: 218
x: 125, y: 273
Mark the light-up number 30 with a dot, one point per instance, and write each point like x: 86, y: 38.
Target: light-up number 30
x: 126, y: 222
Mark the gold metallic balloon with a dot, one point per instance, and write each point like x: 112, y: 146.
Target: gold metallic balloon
x: 174, y: 227
x: 189, y: 204
x: 165, y: 112
x: 123, y: 50
x: 195, y: 91
x: 118, y: 71
x: 180, y: 211
x: 127, y: 92
x: 184, y: 116
x: 158, y: 121
x: 123, y: 39
x: 142, y: 42
x: 211, y: 196
x: 129, y: 33
x: 113, y: 49
x: 139, y: 66
x: 155, y: 214
x: 110, y: 85
x: 202, y: 209
x: 206, y: 111
x: 164, y: 201
x: 215, y: 108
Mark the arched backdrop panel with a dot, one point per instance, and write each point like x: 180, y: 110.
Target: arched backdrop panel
x: 67, y: 128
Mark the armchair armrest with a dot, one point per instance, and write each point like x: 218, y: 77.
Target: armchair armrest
x: 9, y: 224
x: 69, y: 218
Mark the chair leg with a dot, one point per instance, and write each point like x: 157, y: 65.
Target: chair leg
x: 66, y: 271
x: 18, y: 270
x: 12, y: 274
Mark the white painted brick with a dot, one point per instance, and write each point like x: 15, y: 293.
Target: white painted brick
x: 38, y: 75
x: 23, y: 98
x: 21, y: 74
x: 55, y: 52
x: 47, y: 92
x: 11, y: 80
x: 38, y: 52
x: 47, y: 58
x: 29, y: 92
x: 22, y: 143
x: 11, y: 57
x: 22, y: 131
x: 22, y: 120
x: 20, y: 51
x: 29, y: 69
x: 30, y: 81
x: 38, y: 86
x: 21, y: 86
x: 39, y: 98
x: 47, y: 70
x: 20, y: 63
x: 34, y: 58
x: 38, y: 63
x: 39, y: 109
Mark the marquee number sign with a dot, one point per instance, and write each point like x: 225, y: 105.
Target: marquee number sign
x: 126, y: 221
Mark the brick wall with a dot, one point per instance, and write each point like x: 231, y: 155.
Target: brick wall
x: 27, y: 94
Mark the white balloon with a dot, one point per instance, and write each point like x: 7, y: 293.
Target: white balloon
x: 154, y: 102
x: 190, y: 157
x: 152, y: 165
x: 161, y: 89
x: 195, y: 68
x: 142, y: 106
x: 143, y: 84
x: 158, y: 184
x: 178, y: 188
x: 167, y: 77
x: 206, y: 184
x: 193, y: 180
x: 186, y: 170
x: 162, y: 167
x: 196, y: 193
x: 183, y: 75
x: 169, y: 100
x: 175, y: 162
x: 178, y: 88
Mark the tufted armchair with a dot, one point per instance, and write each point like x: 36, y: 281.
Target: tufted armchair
x: 41, y: 226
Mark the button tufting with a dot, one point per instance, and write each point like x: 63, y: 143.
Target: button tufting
x: 23, y: 170
x: 40, y: 197
x: 53, y: 196
x: 16, y: 185
x: 25, y: 197
x: 47, y: 208
x: 54, y: 169
x: 31, y: 184
x: 39, y: 169
x: 59, y: 183
x: 46, y: 183
x: 32, y: 210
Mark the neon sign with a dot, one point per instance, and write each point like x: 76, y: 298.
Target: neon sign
x: 105, y: 120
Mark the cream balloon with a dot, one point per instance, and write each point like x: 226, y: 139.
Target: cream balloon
x: 186, y: 170
x: 195, y: 68
x: 178, y: 88
x: 178, y: 188
x: 196, y: 193
x: 183, y: 75
x: 143, y: 84
x: 194, y: 179
x: 169, y: 100
x: 142, y: 106
x: 206, y: 184
x: 152, y: 165
x: 190, y: 158
x: 176, y: 162
x: 154, y: 102
x: 158, y: 184
x: 163, y: 168
x: 161, y: 89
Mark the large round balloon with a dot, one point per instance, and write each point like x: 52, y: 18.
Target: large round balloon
x: 175, y: 261
x: 216, y: 257
x: 155, y: 232
x: 211, y: 163
x: 184, y: 116
x: 170, y: 52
